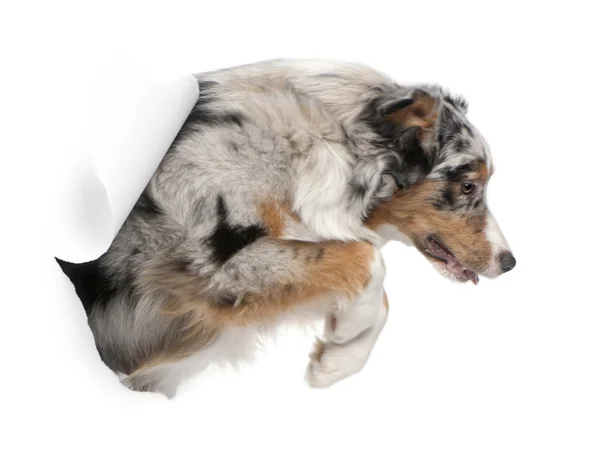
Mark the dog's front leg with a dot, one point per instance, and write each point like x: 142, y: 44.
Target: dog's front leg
x: 286, y: 276
x: 351, y: 332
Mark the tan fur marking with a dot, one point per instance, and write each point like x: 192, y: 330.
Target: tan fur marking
x: 482, y: 173
x: 272, y: 216
x: 319, y: 346
x: 318, y: 270
x: 412, y: 212
x: 420, y: 114
x: 318, y: 350
x: 340, y: 267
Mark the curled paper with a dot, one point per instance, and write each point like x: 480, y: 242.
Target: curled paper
x: 131, y: 124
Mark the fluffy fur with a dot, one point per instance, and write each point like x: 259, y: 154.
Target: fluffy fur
x: 272, y: 204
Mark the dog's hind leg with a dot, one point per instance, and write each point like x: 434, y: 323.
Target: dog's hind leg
x: 150, y: 379
x: 165, y: 374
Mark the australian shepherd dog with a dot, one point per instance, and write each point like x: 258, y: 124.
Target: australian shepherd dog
x: 272, y: 205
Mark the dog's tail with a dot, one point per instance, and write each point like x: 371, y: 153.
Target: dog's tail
x: 86, y: 279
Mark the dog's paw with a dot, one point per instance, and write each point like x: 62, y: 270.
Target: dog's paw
x: 347, y: 330
x: 330, y: 362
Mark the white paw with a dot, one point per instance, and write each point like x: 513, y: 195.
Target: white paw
x: 350, y: 326
x: 356, y: 316
x: 336, y: 362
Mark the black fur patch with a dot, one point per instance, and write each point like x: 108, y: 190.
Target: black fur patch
x: 147, y: 206
x: 395, y: 171
x: 414, y: 155
x: 91, y: 285
x: 202, y: 116
x: 394, y: 106
x: 450, y: 127
x: 456, y: 174
x: 448, y: 196
x: 446, y: 200
x: 229, y: 239
x: 225, y: 300
x: 450, y: 101
x: 404, y: 141
x: 460, y: 144
x: 398, y: 177
x: 204, y: 87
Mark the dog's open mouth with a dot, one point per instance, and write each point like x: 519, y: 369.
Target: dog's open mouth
x: 451, y: 263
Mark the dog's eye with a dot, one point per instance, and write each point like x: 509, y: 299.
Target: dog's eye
x: 467, y: 188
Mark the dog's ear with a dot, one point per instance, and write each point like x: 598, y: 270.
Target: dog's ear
x: 418, y: 109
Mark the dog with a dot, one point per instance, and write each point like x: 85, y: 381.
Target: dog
x: 272, y: 205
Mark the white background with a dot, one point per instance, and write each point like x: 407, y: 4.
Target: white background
x: 505, y: 371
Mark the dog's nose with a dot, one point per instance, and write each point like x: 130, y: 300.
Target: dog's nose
x: 507, y: 262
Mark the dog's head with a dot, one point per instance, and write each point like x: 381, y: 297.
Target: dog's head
x: 444, y: 212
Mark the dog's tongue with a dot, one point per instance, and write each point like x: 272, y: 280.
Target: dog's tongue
x: 452, y: 264
x: 461, y: 272
x: 472, y: 276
